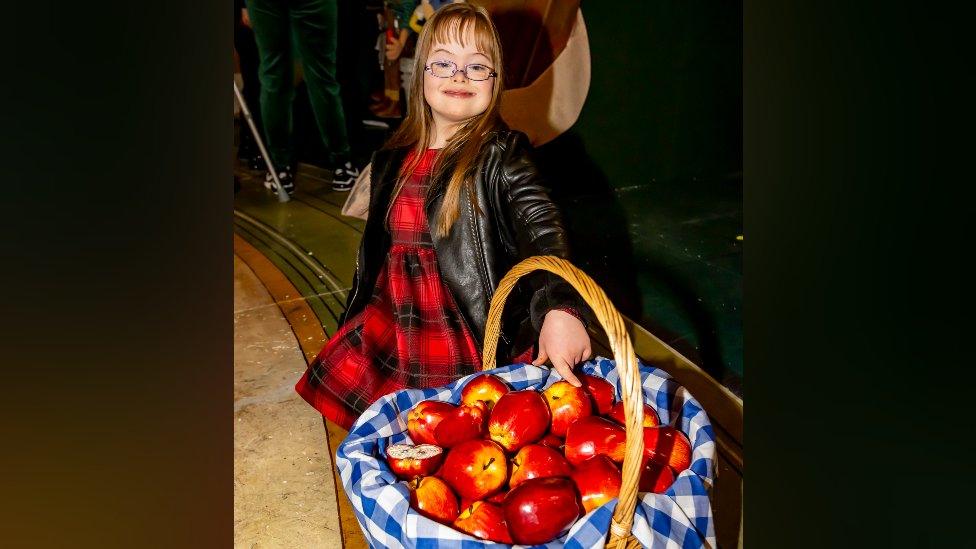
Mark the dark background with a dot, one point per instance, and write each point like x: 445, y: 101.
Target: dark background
x: 650, y: 176
x: 117, y: 322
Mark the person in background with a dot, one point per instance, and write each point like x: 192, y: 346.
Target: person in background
x: 315, y: 33
x: 356, y: 62
x: 247, y: 55
x: 398, y: 34
x: 457, y: 201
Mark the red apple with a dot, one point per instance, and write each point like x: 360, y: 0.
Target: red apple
x: 498, y: 498
x: 465, y: 423
x: 423, y: 418
x: 409, y: 462
x: 667, y: 446
x: 540, y: 509
x: 537, y: 461
x: 600, y: 390
x: 487, y: 388
x: 655, y: 478
x: 566, y: 404
x: 433, y: 498
x: 650, y: 416
x: 519, y: 418
x: 595, y: 435
x: 552, y: 441
x: 475, y: 469
x: 484, y: 520
x: 598, y: 481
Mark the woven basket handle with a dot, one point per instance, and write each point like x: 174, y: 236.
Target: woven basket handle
x: 623, y: 354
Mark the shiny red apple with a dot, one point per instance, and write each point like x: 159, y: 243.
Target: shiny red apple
x: 486, y: 387
x: 650, y: 415
x: 552, y: 441
x: 484, y: 520
x: 598, y: 481
x: 465, y: 423
x: 567, y: 404
x: 592, y: 436
x: 537, y: 461
x: 475, y: 469
x: 655, y: 478
x: 667, y: 446
x: 409, y: 462
x: 434, y: 499
x: 541, y: 509
x: 519, y: 418
x: 497, y: 498
x: 423, y: 418
x: 600, y: 390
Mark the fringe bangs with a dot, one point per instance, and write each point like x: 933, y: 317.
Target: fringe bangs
x: 457, y: 26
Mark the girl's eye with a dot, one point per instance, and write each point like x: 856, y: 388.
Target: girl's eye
x: 441, y: 64
x: 478, y: 72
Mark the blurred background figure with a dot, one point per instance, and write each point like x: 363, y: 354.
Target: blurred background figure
x: 398, y: 40
x: 313, y: 24
x: 247, y: 55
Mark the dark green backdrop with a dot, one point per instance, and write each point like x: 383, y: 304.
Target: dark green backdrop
x: 653, y: 193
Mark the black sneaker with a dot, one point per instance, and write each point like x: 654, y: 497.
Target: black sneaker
x: 256, y: 162
x: 344, y: 177
x: 285, y: 177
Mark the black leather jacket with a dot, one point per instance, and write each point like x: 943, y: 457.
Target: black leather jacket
x: 518, y: 220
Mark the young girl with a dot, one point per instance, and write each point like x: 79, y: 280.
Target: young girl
x: 455, y: 202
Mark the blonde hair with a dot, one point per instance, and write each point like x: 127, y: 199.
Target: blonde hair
x: 450, y: 23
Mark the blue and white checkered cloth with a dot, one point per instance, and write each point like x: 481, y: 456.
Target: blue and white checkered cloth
x: 679, y: 518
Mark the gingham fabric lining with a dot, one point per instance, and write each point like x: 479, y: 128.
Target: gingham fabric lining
x: 679, y: 518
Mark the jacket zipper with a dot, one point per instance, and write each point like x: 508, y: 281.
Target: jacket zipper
x: 483, y: 272
x: 356, y: 289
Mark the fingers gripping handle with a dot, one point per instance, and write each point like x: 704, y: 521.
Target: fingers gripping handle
x: 624, y: 357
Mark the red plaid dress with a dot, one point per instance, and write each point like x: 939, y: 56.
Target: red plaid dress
x: 410, y: 334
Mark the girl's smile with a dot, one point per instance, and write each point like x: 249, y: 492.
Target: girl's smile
x: 459, y: 93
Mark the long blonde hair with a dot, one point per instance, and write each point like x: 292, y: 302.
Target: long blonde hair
x: 450, y: 24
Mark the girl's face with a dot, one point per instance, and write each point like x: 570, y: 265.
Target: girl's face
x: 456, y: 98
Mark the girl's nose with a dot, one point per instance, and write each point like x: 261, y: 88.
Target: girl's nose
x: 459, y: 77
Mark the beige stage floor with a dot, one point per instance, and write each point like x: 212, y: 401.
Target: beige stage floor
x: 284, y: 491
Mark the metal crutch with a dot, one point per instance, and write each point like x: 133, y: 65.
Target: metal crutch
x: 282, y: 195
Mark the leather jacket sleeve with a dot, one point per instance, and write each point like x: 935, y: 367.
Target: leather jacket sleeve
x: 537, y: 226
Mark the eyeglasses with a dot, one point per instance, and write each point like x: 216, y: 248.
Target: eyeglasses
x: 446, y: 69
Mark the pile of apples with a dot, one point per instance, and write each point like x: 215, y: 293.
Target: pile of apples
x: 523, y: 466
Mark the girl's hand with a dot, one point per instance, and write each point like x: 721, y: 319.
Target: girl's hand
x: 565, y: 342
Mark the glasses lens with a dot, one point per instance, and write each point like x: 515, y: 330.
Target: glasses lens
x: 442, y: 69
x: 478, y: 72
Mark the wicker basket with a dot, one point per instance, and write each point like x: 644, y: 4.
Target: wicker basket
x: 620, y: 535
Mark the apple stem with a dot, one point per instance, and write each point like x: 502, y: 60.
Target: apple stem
x: 487, y: 465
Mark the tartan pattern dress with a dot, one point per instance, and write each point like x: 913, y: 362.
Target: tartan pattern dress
x: 410, y: 334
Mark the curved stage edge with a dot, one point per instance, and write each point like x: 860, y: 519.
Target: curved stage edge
x: 311, y: 336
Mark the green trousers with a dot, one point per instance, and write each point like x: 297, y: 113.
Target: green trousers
x: 313, y: 26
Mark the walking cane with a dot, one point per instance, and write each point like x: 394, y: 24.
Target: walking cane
x: 282, y: 195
